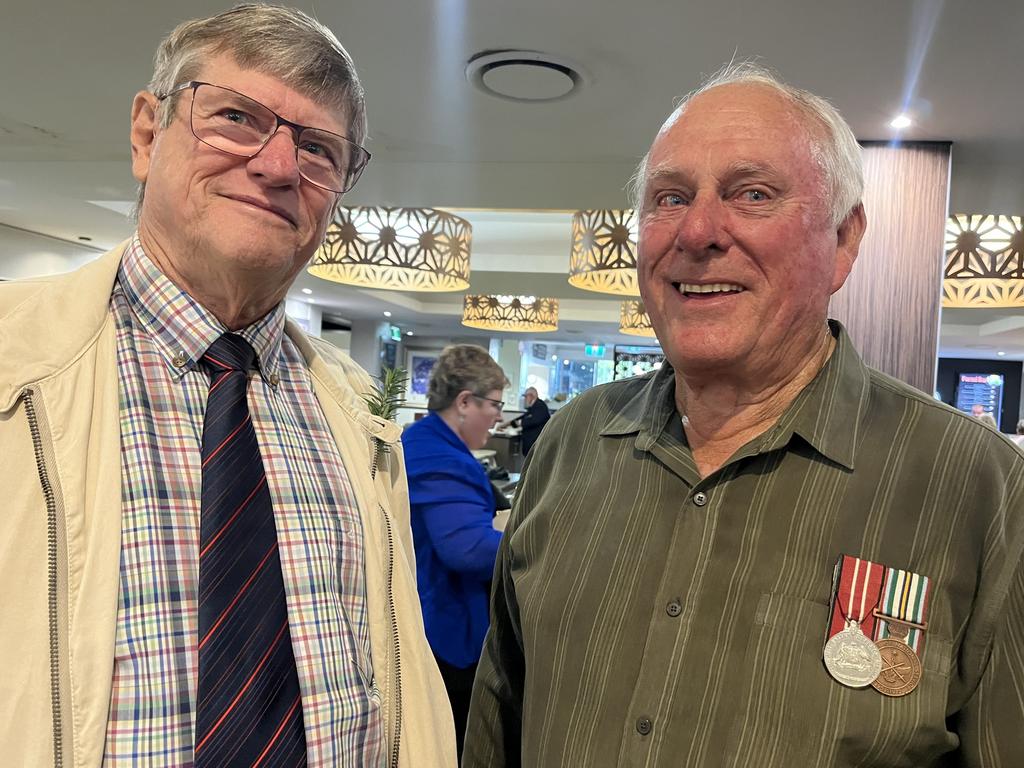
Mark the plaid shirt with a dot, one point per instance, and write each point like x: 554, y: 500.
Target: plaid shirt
x: 161, y: 335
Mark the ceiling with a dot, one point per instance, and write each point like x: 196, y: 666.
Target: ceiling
x: 514, y: 169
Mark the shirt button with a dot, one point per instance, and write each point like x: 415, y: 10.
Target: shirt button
x: 274, y: 379
x: 179, y: 360
x: 674, y: 608
x: 700, y: 498
x: 644, y: 726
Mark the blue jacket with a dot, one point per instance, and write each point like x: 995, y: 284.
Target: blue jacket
x: 452, y: 509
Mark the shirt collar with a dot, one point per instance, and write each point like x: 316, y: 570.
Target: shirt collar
x: 180, y: 327
x: 826, y: 414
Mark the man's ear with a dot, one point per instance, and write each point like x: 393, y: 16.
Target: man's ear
x: 848, y: 237
x: 145, y: 108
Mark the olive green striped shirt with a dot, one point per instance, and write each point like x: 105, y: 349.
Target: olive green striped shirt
x: 642, y: 616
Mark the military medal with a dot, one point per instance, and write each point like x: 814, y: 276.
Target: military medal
x: 899, y: 631
x: 849, y: 655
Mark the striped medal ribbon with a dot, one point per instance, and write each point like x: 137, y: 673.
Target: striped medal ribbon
x: 899, y: 631
x: 849, y: 655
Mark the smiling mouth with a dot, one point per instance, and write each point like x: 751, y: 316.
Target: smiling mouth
x: 708, y: 290
x: 264, y: 207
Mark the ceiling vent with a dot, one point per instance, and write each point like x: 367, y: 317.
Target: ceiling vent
x: 528, y: 76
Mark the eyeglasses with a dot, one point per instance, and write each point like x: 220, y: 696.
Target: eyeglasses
x: 499, y: 403
x: 233, y: 123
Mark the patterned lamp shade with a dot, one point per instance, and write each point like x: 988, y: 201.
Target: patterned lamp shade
x: 984, y: 261
x: 633, y: 319
x: 510, y: 313
x: 401, y: 249
x: 603, y: 257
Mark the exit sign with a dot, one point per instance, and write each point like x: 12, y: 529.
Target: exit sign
x: 396, y: 333
x: 594, y: 350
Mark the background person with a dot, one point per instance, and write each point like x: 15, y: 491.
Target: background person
x: 453, y: 505
x: 192, y: 566
x: 533, y: 421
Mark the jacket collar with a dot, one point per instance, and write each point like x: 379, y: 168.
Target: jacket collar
x: 76, y: 307
x: 826, y: 414
x: 434, y: 423
x: 37, y: 345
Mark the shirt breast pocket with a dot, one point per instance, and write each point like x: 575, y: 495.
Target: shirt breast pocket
x: 791, y: 712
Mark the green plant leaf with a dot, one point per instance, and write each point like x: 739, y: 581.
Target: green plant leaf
x: 388, y: 395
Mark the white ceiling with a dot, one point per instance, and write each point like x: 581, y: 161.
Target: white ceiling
x: 71, y: 69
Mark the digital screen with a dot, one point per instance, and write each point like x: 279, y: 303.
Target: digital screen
x: 984, y: 389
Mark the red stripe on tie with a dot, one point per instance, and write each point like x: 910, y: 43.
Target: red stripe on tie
x: 219, y: 381
x: 252, y: 677
x: 220, y: 363
x: 277, y: 733
x: 227, y: 440
x: 234, y: 514
x: 241, y: 592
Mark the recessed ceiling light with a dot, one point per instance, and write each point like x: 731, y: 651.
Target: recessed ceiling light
x: 900, y: 122
x: 1001, y: 353
x: 307, y: 291
x: 409, y: 333
x: 519, y: 75
x: 386, y: 313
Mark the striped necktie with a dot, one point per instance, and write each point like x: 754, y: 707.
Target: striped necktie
x: 248, y: 708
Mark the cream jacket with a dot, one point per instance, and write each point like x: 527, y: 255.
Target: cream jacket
x: 60, y: 507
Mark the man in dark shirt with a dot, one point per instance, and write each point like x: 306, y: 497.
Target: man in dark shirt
x: 533, y: 421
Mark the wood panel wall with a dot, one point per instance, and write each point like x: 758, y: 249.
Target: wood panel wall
x: 892, y: 301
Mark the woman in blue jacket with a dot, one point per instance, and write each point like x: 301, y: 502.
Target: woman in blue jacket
x: 452, y: 510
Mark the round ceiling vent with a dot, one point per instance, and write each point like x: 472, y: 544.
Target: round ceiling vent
x: 523, y: 75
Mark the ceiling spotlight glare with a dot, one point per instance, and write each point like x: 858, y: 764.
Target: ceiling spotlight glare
x: 900, y: 122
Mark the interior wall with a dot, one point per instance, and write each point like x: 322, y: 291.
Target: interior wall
x: 892, y: 300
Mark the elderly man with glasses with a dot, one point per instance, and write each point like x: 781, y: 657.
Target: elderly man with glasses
x: 207, y: 557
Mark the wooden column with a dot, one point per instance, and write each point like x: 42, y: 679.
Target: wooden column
x: 892, y: 301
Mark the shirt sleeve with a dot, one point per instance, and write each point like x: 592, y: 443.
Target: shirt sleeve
x: 494, y: 730
x: 457, y: 518
x: 991, y: 724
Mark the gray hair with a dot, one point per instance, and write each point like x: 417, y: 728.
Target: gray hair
x: 835, y: 147
x: 461, y: 367
x: 282, y: 42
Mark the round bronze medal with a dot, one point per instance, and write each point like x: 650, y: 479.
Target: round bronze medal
x: 901, y: 669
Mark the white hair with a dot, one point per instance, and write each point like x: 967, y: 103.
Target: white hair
x: 835, y: 147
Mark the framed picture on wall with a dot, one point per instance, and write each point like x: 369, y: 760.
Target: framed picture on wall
x: 419, y: 364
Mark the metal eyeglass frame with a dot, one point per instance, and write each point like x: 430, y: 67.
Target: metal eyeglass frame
x: 296, y: 128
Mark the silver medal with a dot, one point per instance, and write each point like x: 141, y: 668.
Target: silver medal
x: 851, y: 658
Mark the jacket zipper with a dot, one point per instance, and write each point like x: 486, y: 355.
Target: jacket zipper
x: 396, y: 744
x: 51, y: 577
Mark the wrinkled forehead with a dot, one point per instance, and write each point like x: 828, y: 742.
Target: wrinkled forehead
x: 738, y: 116
x: 764, y: 100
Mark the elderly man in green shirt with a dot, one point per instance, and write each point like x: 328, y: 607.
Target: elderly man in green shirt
x: 684, y: 543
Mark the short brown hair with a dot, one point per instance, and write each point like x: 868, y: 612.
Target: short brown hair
x: 462, y: 367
